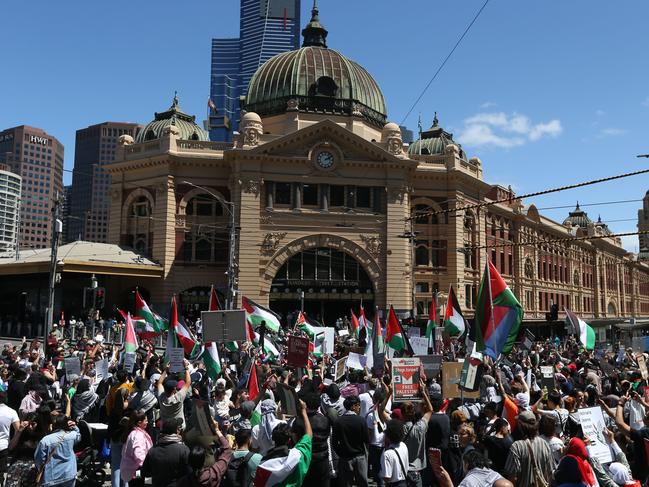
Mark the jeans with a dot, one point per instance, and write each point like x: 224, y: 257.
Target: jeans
x: 353, y: 471
x: 115, y: 461
x: 375, y: 464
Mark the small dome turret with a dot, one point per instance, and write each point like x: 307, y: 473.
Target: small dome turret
x: 434, y: 141
x: 184, y: 125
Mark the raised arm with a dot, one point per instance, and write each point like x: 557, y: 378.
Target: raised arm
x: 428, y: 407
x: 305, y: 417
x: 619, y: 416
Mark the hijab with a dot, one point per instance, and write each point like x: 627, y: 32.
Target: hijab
x: 577, y: 449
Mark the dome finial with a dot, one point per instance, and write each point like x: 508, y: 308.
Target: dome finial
x: 314, y: 33
x: 577, y: 207
x: 435, y: 121
x: 175, y: 102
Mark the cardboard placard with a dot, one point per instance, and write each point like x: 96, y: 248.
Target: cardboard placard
x: 329, y: 339
x: 339, y: 373
x: 419, y: 345
x: 451, y: 373
x: 101, y: 370
x: 72, y: 367
x: 432, y: 364
x: 128, y: 362
x: 298, y: 351
x: 471, y: 374
x: 405, y: 379
x: 176, y: 360
x: 356, y: 361
x: 547, y: 373
x: 224, y: 325
x: 592, y: 423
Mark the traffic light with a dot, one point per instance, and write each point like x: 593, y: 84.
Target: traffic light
x: 100, y: 298
x: 88, y: 298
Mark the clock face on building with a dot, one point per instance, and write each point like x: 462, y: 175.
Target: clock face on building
x: 325, y: 159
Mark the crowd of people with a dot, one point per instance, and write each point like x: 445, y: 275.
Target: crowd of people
x: 523, y: 426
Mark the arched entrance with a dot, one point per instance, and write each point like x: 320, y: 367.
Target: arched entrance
x: 333, y: 282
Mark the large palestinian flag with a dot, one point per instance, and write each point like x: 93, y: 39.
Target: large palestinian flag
x: 255, y: 314
x: 287, y: 470
x: 583, y: 330
x: 454, y: 322
x: 154, y: 324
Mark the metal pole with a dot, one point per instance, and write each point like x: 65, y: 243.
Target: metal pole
x: 230, y: 303
x: 56, y: 231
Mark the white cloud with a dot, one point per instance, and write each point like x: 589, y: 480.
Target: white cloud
x: 488, y: 104
x: 610, y: 131
x: 600, y: 113
x: 504, y: 130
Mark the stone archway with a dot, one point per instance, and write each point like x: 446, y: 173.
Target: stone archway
x: 364, y: 258
x: 611, y: 308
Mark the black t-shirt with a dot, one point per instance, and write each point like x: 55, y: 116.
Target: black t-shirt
x: 640, y: 459
x: 439, y: 431
x: 497, y: 450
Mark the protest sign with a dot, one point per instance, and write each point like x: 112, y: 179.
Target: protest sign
x: 72, y: 367
x: 298, y: 351
x: 328, y: 341
x: 224, y: 325
x: 592, y: 423
x: 129, y: 361
x: 413, y: 332
x: 339, y: 373
x: 343, y: 333
x: 176, y: 359
x: 547, y: 377
x: 432, y: 364
x: 101, y: 370
x: 620, y: 354
x: 528, y: 339
x: 451, y: 372
x: 642, y: 365
x: 419, y: 345
x: 471, y: 374
x: 405, y: 379
x: 356, y: 361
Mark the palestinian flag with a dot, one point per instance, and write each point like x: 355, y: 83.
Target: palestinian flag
x: 253, y: 386
x: 355, y: 324
x: 130, y: 338
x: 375, y: 349
x: 269, y: 348
x: 140, y: 325
x: 154, y: 324
x: 498, y: 315
x: 214, y: 301
x: 232, y: 346
x: 255, y: 418
x: 255, y: 314
x: 288, y: 470
x: 432, y: 318
x: 305, y: 326
x: 394, y: 336
x: 362, y: 321
x: 183, y: 336
x: 211, y: 360
x: 582, y: 329
x: 454, y: 322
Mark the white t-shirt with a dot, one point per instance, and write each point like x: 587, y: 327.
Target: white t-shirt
x: 366, y: 402
x: 222, y: 407
x: 7, y: 417
x: 390, y: 466
x: 376, y: 427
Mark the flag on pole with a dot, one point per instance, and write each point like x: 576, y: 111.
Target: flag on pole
x: 214, y: 301
x: 355, y: 324
x: 305, y: 326
x: 130, y: 338
x: 583, y: 330
x: 142, y: 328
x: 394, y: 336
x: 454, y: 322
x: 211, y: 360
x: 432, y: 317
x: 232, y: 346
x: 211, y: 105
x: 154, y: 323
x: 498, y: 315
x: 362, y: 321
x: 269, y: 347
x: 183, y: 335
x: 375, y: 349
x: 253, y: 386
x: 255, y: 314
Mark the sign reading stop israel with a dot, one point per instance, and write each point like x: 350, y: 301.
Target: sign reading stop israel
x: 405, y: 379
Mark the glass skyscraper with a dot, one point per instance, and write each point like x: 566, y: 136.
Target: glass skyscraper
x: 267, y: 28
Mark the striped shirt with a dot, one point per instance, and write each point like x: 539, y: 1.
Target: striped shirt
x: 520, y: 465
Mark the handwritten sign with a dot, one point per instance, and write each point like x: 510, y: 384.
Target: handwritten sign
x: 592, y: 423
x: 405, y: 379
x: 339, y: 373
x: 101, y: 370
x: 419, y: 345
x: 356, y: 361
x: 176, y: 359
x: 298, y: 351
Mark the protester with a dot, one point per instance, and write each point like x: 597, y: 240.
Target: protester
x: 55, y: 456
x: 137, y: 444
x: 166, y: 462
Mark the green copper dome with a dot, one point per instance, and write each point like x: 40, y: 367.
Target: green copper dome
x: 186, y: 125
x: 315, y: 79
x: 433, y: 142
x: 577, y: 217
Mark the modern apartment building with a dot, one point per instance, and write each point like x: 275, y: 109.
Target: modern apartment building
x: 37, y: 157
x: 9, y: 209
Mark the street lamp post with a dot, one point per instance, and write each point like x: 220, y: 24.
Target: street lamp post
x: 57, y: 229
x: 229, y: 205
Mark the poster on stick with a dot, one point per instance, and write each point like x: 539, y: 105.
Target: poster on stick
x: 592, y: 423
x: 298, y: 351
x: 405, y: 379
x: 176, y: 360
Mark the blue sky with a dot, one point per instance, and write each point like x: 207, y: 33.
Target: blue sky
x: 545, y: 93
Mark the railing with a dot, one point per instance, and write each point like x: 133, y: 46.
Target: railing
x: 195, y: 145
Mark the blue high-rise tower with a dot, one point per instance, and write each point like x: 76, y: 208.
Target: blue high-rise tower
x: 267, y: 28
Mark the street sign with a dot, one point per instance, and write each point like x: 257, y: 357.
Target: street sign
x: 224, y: 325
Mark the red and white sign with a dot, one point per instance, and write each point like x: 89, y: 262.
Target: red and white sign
x: 405, y: 379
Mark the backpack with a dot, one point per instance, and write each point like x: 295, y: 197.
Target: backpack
x: 235, y: 475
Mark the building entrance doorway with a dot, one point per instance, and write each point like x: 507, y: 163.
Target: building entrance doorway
x: 329, y: 282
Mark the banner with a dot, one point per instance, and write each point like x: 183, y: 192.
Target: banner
x: 592, y: 423
x: 298, y: 351
x: 405, y: 379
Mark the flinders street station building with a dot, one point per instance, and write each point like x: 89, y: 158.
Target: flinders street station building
x: 331, y: 207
